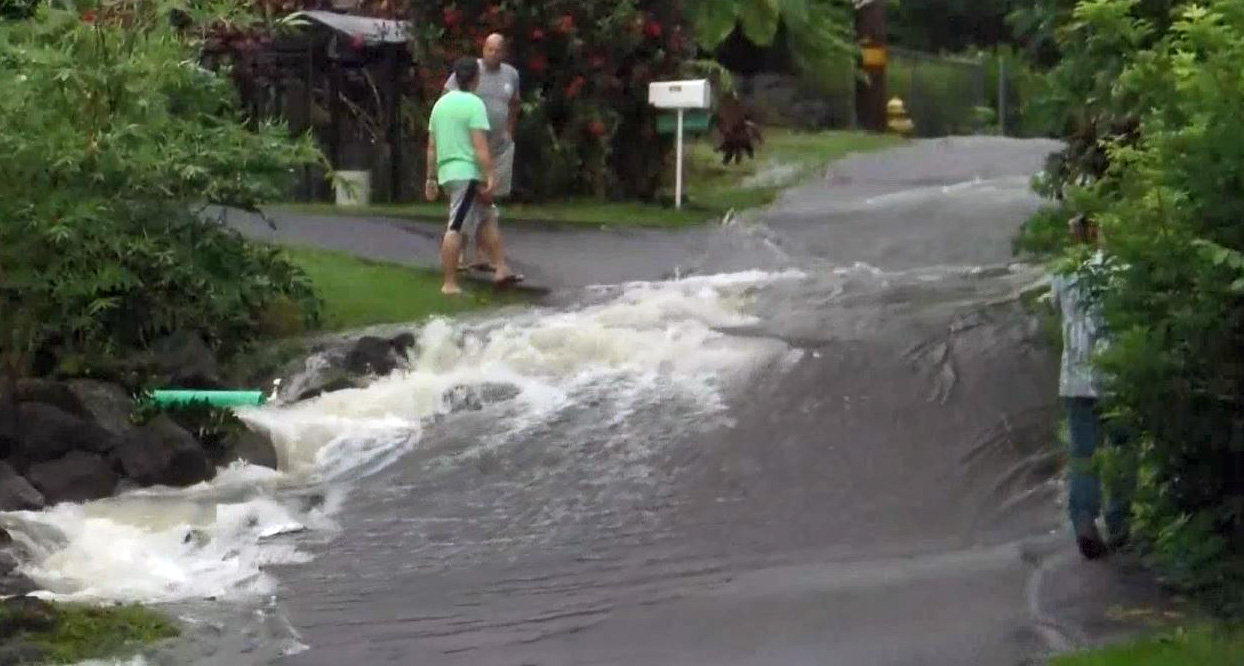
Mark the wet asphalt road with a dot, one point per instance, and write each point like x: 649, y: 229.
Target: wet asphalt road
x: 892, y: 499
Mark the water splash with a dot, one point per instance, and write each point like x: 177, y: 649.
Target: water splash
x: 638, y: 343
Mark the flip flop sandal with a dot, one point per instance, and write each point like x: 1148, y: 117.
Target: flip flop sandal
x: 508, y: 281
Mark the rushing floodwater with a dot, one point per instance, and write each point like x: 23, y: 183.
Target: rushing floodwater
x: 730, y: 468
x: 637, y: 347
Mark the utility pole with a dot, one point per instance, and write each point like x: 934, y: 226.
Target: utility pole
x: 870, y: 88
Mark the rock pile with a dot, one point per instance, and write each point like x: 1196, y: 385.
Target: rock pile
x: 74, y: 441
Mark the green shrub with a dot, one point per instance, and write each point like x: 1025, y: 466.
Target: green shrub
x: 1169, y: 200
x: 78, y: 632
x: 1043, y: 234
x: 113, y: 141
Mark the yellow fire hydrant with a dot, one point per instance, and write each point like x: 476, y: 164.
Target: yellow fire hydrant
x: 899, y: 122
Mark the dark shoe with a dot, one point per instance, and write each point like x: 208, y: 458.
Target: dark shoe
x: 508, y: 281
x: 1089, y: 541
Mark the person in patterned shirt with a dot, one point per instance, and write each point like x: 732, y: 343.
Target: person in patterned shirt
x: 1080, y: 388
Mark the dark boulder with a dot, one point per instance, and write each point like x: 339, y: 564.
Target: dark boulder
x: 12, y: 554
x: 184, y: 361
x: 18, y: 614
x: 372, y: 355
x: 163, y: 453
x: 15, y: 584
x: 77, y: 477
x: 9, y: 435
x: 47, y: 432
x: 48, y: 392
x: 11, y: 582
x: 253, y: 447
x: 327, y: 380
x: 403, y: 343
x: 346, y: 366
x: 8, y: 562
x: 21, y: 653
x: 16, y: 493
x: 110, y: 405
x: 474, y: 398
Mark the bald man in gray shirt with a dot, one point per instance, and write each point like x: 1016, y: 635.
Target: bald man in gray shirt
x: 499, y: 88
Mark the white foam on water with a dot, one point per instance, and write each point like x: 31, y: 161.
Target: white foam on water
x: 157, y: 549
x: 638, y: 343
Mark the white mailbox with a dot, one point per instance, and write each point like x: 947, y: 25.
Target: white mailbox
x: 680, y: 94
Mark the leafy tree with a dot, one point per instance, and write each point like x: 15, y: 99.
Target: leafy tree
x: 113, y: 138
x: 951, y: 25
x: 1168, y: 195
x: 818, y: 33
x: 17, y: 9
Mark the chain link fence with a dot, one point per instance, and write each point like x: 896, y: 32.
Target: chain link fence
x: 944, y: 95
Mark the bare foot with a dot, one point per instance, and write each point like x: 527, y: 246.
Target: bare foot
x: 451, y: 290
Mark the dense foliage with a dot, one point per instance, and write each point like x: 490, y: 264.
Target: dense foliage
x: 113, y: 139
x: 816, y: 33
x: 951, y: 25
x: 1167, y: 185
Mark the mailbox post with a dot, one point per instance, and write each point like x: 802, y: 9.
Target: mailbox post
x: 680, y: 96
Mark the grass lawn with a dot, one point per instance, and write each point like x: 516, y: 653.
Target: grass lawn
x: 1200, y: 646
x: 711, y: 188
x: 72, y: 633
x: 359, y: 292
x: 786, y: 158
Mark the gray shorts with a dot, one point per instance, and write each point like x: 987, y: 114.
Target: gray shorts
x: 503, y: 166
x: 465, y: 209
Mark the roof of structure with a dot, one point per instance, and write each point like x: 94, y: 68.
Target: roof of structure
x: 373, y: 30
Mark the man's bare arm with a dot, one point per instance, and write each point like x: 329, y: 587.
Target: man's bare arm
x: 516, y: 105
x: 483, y: 156
x: 430, y: 188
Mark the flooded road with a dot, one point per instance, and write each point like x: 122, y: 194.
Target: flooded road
x: 837, y: 459
x: 822, y: 434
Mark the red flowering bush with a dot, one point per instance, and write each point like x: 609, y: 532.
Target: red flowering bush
x: 586, y: 127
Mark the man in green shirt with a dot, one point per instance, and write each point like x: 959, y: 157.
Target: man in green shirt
x: 460, y: 162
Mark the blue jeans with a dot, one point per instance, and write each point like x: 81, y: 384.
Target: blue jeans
x: 1084, y: 500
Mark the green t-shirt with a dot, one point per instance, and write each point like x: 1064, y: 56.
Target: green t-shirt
x: 453, y: 117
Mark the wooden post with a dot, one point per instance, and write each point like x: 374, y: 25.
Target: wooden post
x: 394, y: 125
x: 334, y: 107
x: 678, y: 158
x: 870, y: 89
x: 308, y: 101
x: 1002, y: 110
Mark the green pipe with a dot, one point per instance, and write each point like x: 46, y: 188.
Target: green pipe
x: 213, y: 398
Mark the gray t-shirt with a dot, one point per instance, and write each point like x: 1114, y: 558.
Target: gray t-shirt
x: 496, y: 87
